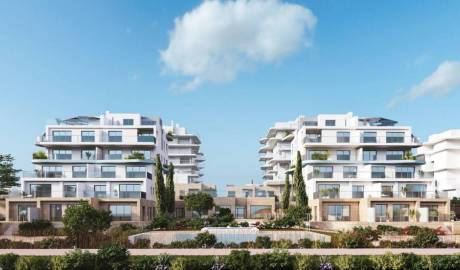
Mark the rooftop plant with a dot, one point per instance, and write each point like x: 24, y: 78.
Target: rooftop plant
x: 39, y: 155
x: 136, y: 155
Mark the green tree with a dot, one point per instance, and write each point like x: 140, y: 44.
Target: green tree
x: 286, y: 193
x: 82, y: 220
x: 299, y: 184
x: 170, y: 193
x: 199, y: 202
x: 160, y: 187
x: 8, y: 176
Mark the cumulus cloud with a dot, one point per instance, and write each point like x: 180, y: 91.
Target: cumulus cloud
x: 442, y: 81
x: 218, y: 39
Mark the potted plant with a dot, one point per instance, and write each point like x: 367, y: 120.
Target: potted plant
x: 413, y: 214
x: 39, y: 155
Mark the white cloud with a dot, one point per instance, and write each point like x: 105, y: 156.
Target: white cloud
x: 218, y: 39
x: 442, y: 81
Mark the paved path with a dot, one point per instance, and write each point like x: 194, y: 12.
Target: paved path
x: 223, y: 252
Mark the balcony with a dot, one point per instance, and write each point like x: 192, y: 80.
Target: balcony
x: 102, y: 138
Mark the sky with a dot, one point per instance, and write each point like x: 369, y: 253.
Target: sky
x: 226, y: 70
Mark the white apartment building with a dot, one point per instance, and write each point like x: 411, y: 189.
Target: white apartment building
x: 361, y: 169
x: 442, y: 161
x: 91, y: 158
x: 184, y: 153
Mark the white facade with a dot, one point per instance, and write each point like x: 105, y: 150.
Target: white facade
x: 184, y: 153
x: 91, y: 157
x: 442, y: 156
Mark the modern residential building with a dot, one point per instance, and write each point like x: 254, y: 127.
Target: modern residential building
x: 441, y: 154
x: 362, y: 169
x: 184, y: 153
x: 107, y: 160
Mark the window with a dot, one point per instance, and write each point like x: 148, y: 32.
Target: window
x: 146, y: 153
x: 108, y: 172
x: 100, y: 191
x: 247, y: 193
x: 380, y: 213
x: 404, y: 172
x: 231, y: 194
x: 185, y: 160
x: 23, y: 212
x: 350, y: 171
x: 115, y: 136
x: 387, y: 191
x: 70, y: 191
x: 318, y: 154
x: 55, y: 212
x: 313, y: 137
x: 115, y: 154
x: 261, y: 211
x: 357, y: 191
x: 135, y: 172
x: 401, y: 212
x: 62, y: 154
x: 52, y: 171
x: 433, y: 214
x: 311, y: 123
x: 343, y: 155
x: 129, y: 191
x: 329, y: 191
x: 369, y: 137
x: 88, y: 154
x: 121, y: 212
x: 395, y: 137
x: 330, y: 123
x: 62, y: 136
x: 338, y: 213
x: 145, y: 136
x: 378, y: 172
x: 261, y: 193
x: 415, y: 190
x: 240, y: 212
x: 395, y: 155
x: 78, y: 171
x: 40, y: 190
x: 369, y: 155
x: 343, y: 137
x: 128, y: 122
x: 322, y: 171
x: 87, y: 136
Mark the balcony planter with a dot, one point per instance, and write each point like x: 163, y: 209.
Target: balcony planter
x: 136, y: 155
x: 320, y: 156
x: 39, y: 155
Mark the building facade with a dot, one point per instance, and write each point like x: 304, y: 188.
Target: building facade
x: 184, y: 153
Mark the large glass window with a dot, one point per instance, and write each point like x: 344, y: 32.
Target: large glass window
x: 313, y: 137
x: 62, y: 154
x: 240, y: 212
x: 230, y: 193
x: 52, y: 171
x: 88, y: 136
x: 330, y: 123
x: 404, y: 172
x: 23, y: 212
x: 261, y: 211
x: 338, y: 213
x: 62, y: 136
x: 322, y: 171
x: 40, y: 190
x: 122, y: 212
x: 343, y: 136
x: 350, y: 172
x: 395, y: 155
x: 387, y: 191
x: 343, y: 155
x: 88, y: 154
x: 433, y: 214
x: 108, y: 172
x: 55, y: 212
x: 401, y: 212
x: 146, y: 153
x: 415, y: 190
x: 395, y: 137
x: 135, y: 172
x: 145, y: 136
x: 318, y: 154
x: 329, y: 191
x: 70, y: 191
x: 115, y: 154
x: 369, y: 155
x: 369, y: 137
x: 115, y: 136
x: 357, y: 191
x: 79, y: 171
x: 378, y: 172
x: 128, y: 122
x: 129, y: 191
x: 100, y: 191
x: 381, y: 213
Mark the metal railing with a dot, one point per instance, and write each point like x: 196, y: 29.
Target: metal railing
x: 97, y: 139
x: 319, y: 138
x: 333, y: 194
x: 88, y: 174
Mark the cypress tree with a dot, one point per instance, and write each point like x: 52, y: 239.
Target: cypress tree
x: 286, y: 193
x: 171, y: 194
x: 159, y: 187
x: 8, y: 173
x: 299, y: 184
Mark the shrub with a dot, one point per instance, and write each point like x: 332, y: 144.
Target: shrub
x: 7, y: 261
x: 353, y: 262
x: 53, y: 242
x: 161, y: 222
x: 305, y: 243
x: 75, y: 260
x: 263, y: 242
x: 194, y: 223
x: 358, y: 238
x: 307, y: 262
x: 141, y: 243
x: 33, y: 263
x: 244, y: 224
x: 192, y: 263
x: 112, y: 257
x: 276, y: 260
x: 388, y: 262
x: 39, y: 155
x: 425, y: 237
x: 36, y: 227
x: 384, y: 229
x: 184, y: 244
x: 219, y: 245
x: 445, y: 262
x: 6, y: 243
x: 238, y: 260
x: 282, y: 244
x: 127, y: 227
x: 205, y: 239
x: 142, y: 263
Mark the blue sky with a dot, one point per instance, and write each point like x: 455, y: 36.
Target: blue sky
x: 63, y: 58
